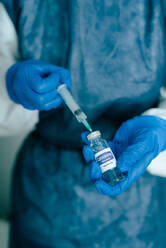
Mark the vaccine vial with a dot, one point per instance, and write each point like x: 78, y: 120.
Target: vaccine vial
x: 105, y: 158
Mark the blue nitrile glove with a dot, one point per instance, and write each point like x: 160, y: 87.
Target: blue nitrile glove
x: 33, y: 84
x: 137, y: 142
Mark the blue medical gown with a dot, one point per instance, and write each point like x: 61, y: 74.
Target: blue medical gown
x: 115, y: 51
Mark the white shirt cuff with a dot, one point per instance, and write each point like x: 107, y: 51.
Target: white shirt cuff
x: 13, y: 117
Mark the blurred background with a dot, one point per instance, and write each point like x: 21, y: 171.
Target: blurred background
x: 9, y: 143
x: 8, y: 149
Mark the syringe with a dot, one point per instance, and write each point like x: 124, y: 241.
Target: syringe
x: 73, y: 106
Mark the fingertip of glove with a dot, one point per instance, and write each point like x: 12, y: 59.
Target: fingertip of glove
x: 106, y: 189
x: 122, y: 166
x: 53, y: 104
x: 95, y: 171
x: 84, y: 137
x: 88, y: 153
x: 102, y: 187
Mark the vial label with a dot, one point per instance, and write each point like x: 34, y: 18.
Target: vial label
x: 105, y: 159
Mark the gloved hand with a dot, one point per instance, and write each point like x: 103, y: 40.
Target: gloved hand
x: 33, y: 84
x: 137, y: 142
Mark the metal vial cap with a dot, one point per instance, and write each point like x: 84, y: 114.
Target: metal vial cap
x: 93, y: 135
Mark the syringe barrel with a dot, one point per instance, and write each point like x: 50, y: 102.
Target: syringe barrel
x: 71, y: 103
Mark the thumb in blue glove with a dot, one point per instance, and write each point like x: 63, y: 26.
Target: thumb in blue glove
x: 137, y: 142
x: 33, y: 84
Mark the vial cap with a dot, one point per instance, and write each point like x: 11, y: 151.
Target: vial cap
x: 93, y: 135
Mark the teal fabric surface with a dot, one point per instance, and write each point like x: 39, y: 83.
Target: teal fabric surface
x: 115, y: 51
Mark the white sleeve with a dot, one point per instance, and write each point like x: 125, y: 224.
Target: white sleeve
x: 158, y: 165
x: 13, y: 117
